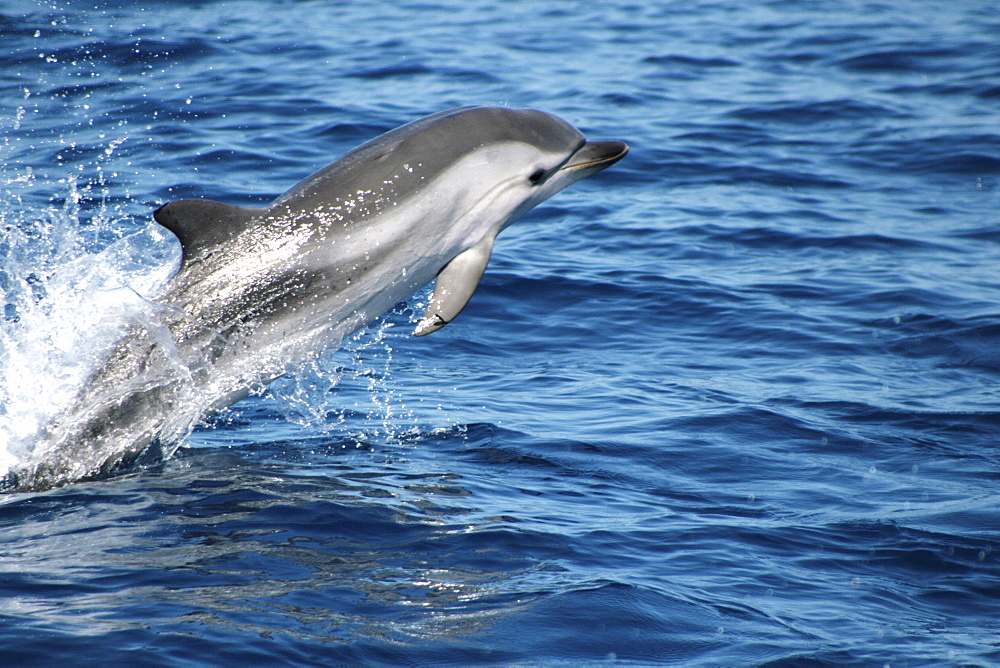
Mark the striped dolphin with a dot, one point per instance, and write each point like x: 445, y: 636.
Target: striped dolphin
x: 260, y: 289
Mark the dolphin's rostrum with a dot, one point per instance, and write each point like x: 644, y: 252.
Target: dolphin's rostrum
x: 260, y: 289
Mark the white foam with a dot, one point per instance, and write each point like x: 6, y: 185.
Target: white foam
x: 68, y: 296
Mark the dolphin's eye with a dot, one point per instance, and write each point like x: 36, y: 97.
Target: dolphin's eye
x: 537, y: 177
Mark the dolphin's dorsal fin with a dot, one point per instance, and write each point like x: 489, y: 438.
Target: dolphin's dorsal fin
x: 454, y: 287
x: 202, y: 224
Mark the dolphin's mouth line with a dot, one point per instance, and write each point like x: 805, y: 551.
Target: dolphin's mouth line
x: 593, y: 153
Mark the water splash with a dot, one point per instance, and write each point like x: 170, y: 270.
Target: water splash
x: 349, y: 389
x: 72, y: 278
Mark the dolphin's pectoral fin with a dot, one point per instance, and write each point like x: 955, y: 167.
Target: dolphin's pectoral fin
x: 201, y: 224
x: 454, y: 287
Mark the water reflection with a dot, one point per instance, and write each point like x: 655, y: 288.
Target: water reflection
x: 386, y: 554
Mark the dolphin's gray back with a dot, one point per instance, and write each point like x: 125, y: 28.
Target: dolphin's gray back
x: 425, y: 149
x: 383, y: 172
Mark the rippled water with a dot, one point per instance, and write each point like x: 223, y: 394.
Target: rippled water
x: 732, y: 401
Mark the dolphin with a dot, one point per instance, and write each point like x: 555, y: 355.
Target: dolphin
x: 259, y: 290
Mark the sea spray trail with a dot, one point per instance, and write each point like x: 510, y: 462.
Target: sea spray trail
x: 312, y: 396
x: 68, y: 296
x: 733, y: 402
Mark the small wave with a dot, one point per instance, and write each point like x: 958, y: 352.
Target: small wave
x: 987, y: 233
x: 398, y: 70
x: 958, y: 154
x: 237, y: 159
x: 682, y: 173
x: 769, y: 237
x: 690, y: 61
x: 970, y: 343
x: 133, y: 56
x: 956, y: 90
x: 623, y: 100
x: 717, y: 166
x: 353, y: 131
x: 730, y: 133
x: 812, y: 113
x: 907, y: 60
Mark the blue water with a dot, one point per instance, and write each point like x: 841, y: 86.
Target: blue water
x: 733, y: 401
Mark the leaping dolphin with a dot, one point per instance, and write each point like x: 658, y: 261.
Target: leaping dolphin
x: 260, y: 289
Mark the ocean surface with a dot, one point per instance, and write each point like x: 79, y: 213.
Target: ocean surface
x: 733, y: 401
